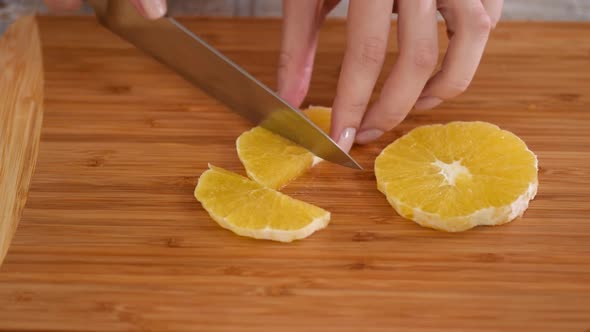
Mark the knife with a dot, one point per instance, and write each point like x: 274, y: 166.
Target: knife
x: 188, y: 55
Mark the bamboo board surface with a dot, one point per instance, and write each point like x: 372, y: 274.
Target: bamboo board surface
x: 112, y: 239
x: 21, y: 116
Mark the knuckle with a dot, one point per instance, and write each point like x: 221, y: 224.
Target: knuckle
x: 284, y: 59
x: 372, y: 52
x: 481, y: 22
x: 425, y: 54
x: 349, y: 112
x: 494, y: 22
x: 358, y: 107
x: 352, y: 110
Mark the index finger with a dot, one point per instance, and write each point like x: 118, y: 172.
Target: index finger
x: 367, y: 34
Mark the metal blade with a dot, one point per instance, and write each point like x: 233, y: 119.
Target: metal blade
x: 191, y: 57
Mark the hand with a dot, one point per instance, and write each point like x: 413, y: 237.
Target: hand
x: 151, y: 9
x: 410, y: 83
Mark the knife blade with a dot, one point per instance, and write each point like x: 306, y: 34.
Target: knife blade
x: 198, y: 62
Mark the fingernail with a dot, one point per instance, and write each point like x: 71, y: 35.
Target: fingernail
x: 154, y: 8
x: 424, y: 103
x: 369, y: 135
x: 347, y: 139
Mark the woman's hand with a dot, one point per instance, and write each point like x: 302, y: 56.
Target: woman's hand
x: 151, y: 9
x: 410, y: 83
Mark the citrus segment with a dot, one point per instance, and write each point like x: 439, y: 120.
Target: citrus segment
x: 250, y: 209
x: 321, y: 116
x: 275, y: 161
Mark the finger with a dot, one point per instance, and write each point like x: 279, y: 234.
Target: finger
x: 418, y: 47
x: 494, y: 10
x: 301, y: 24
x: 152, y: 9
x: 368, y: 28
x: 63, y: 5
x: 471, y: 27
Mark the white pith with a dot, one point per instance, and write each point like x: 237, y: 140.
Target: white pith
x: 451, y: 171
x: 275, y: 234
x: 489, y: 216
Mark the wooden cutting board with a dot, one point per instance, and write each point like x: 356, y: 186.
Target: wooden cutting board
x: 21, y: 116
x: 111, y: 238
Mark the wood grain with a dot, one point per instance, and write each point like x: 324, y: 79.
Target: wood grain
x: 21, y: 114
x: 112, y: 239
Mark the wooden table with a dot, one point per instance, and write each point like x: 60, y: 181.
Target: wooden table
x: 112, y: 239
